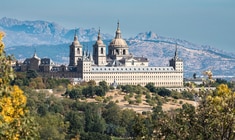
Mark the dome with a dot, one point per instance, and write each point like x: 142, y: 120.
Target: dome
x: 76, y: 42
x: 99, y: 42
x: 118, y: 42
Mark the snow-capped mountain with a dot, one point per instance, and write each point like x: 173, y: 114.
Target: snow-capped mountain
x: 52, y: 41
x: 39, y: 32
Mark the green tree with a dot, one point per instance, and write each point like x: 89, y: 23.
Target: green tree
x: 93, y: 119
x: 76, y: 122
x: 151, y: 87
x: 88, y: 91
x: 139, y: 128
x: 164, y: 92
x: 112, y: 113
x: 52, y: 126
x: 31, y: 74
x: 104, y: 85
x: 99, y: 91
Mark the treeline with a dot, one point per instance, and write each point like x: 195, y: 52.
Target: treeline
x: 63, y: 118
x: 71, y: 117
x: 33, y: 80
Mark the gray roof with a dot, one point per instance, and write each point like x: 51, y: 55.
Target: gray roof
x: 115, y: 63
x: 46, y: 61
x: 141, y: 59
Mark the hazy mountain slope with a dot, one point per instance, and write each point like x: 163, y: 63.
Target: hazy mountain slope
x: 51, y: 40
x: 195, y: 60
x: 29, y: 33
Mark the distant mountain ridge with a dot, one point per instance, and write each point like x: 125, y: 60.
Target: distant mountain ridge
x: 39, y: 32
x: 52, y: 41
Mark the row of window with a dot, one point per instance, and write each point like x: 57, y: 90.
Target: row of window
x: 144, y: 69
x: 166, y: 84
x: 137, y: 77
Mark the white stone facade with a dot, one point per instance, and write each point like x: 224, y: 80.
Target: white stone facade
x: 123, y: 68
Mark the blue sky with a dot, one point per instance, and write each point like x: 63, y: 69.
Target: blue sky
x: 206, y: 22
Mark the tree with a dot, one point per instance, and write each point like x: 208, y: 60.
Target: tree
x: 75, y: 93
x: 36, y: 83
x: 52, y: 126
x: 216, y: 114
x: 94, y: 122
x: 14, y: 120
x: 151, y: 87
x: 139, y: 127
x: 88, y: 91
x: 31, y: 74
x: 164, y: 92
x: 76, y: 122
x: 104, y: 85
x: 99, y: 91
x: 112, y: 113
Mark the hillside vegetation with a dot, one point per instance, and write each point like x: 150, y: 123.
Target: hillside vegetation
x: 90, y: 111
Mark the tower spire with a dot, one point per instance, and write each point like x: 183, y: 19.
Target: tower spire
x: 35, y: 55
x: 176, y: 51
x: 118, y: 32
x: 99, y: 37
x: 75, y: 35
x: 118, y: 25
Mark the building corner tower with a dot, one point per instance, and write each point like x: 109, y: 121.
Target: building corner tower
x: 99, y: 52
x: 176, y: 62
x: 75, y: 51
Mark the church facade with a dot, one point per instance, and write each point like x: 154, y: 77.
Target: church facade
x: 113, y: 64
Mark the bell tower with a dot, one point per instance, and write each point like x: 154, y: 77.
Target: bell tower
x: 176, y: 62
x: 99, y: 51
x: 75, y: 51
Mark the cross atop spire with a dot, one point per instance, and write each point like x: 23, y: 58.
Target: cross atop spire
x: 118, y: 25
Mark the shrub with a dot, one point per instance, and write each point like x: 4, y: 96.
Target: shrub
x: 98, y: 98
x: 131, y: 102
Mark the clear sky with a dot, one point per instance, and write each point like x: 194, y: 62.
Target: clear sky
x: 206, y: 22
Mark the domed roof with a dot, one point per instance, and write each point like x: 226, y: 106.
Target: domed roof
x: 75, y: 40
x: 118, y: 41
x: 99, y: 42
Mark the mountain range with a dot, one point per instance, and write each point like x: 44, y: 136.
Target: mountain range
x: 51, y: 40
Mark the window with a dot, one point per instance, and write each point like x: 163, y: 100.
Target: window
x: 124, y: 52
x: 102, y: 50
x: 117, y: 51
x: 78, y: 50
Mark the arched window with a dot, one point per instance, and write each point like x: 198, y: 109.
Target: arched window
x: 78, y: 50
x: 102, y: 51
x: 124, y: 52
x: 117, y: 51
